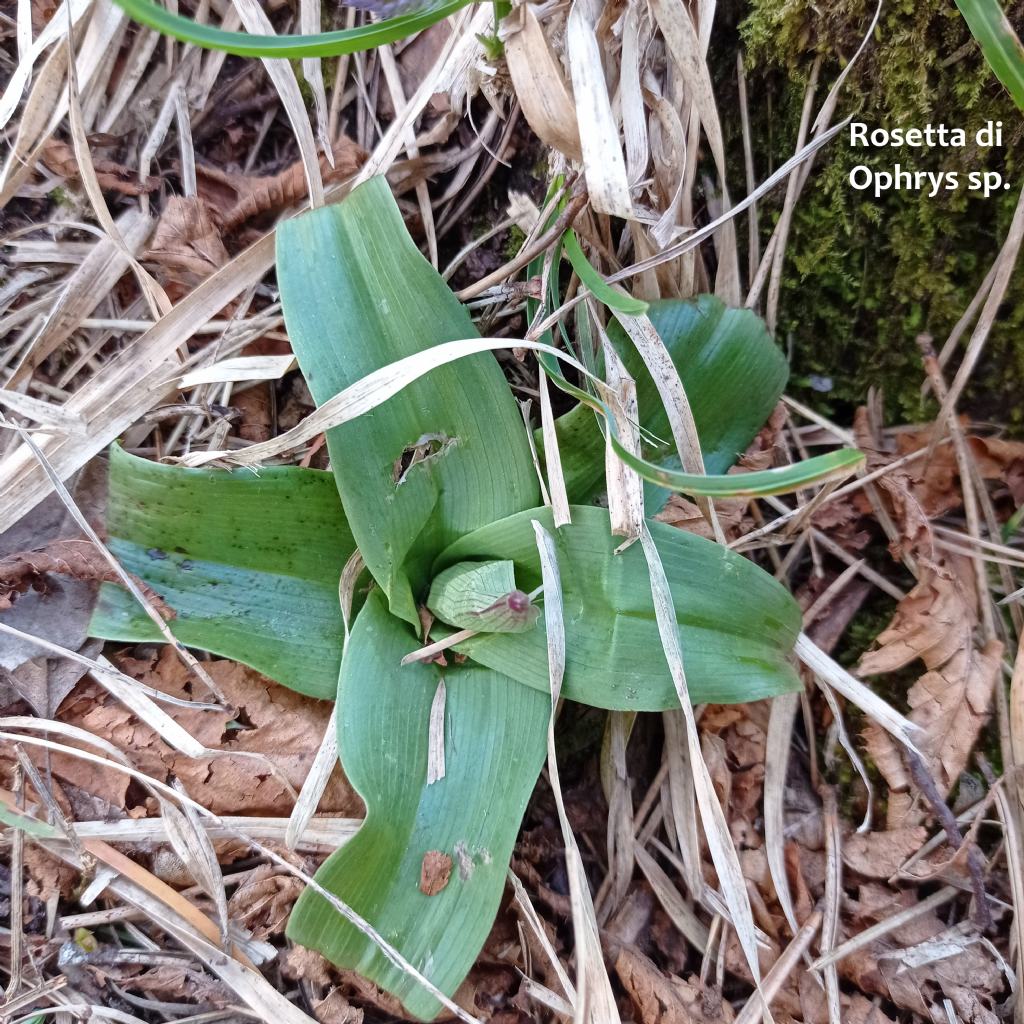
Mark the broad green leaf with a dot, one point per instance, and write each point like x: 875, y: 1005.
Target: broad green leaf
x: 446, y: 455
x: 481, y: 596
x: 249, y: 561
x: 737, y: 625
x: 321, y: 44
x: 606, y: 293
x: 495, y: 734
x: 999, y: 43
x: 733, y: 374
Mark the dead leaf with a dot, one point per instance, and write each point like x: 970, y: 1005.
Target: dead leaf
x: 58, y: 612
x: 264, y: 900
x: 435, y: 871
x: 936, y: 480
x: 880, y: 854
x: 896, y: 490
x: 334, y: 1008
x: 233, y: 199
x: 934, y: 622
x: 78, y: 558
x: 302, y: 964
x: 187, y: 244
x: 59, y: 158
x: 662, y: 999
x: 281, y: 725
x: 968, y: 976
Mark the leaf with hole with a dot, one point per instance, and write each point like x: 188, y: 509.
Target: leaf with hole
x: 436, y: 486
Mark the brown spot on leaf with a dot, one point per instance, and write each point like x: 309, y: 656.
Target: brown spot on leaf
x: 434, y: 872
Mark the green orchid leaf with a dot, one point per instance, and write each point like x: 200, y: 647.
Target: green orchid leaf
x: 447, y: 455
x: 999, y: 43
x: 482, y: 596
x: 250, y: 563
x: 495, y: 744
x: 781, y: 480
x: 606, y: 293
x: 737, y: 625
x: 418, y: 16
x: 733, y: 373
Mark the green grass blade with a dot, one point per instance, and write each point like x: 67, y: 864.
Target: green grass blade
x: 494, y: 749
x: 28, y: 825
x: 782, y: 480
x: 737, y: 625
x: 733, y: 373
x: 322, y: 44
x: 604, y: 292
x: 357, y: 296
x: 999, y: 43
x: 249, y: 562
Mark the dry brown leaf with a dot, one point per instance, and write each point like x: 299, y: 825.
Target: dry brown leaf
x: 952, y: 706
x: 79, y: 559
x: 880, y: 854
x: 59, y: 157
x: 949, y: 963
x: 896, y: 490
x: 59, y: 611
x: 187, y: 244
x: 334, y: 1008
x: 435, y: 871
x: 47, y: 875
x: 167, y: 982
x: 232, y: 199
x: 934, y: 622
x: 273, y: 722
x: 858, y: 1010
x: 935, y: 480
x: 662, y: 999
x: 264, y: 900
x: 302, y: 964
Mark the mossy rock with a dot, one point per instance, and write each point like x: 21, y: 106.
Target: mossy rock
x: 864, y: 276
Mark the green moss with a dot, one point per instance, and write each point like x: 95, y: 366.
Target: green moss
x: 864, y: 276
x: 515, y: 242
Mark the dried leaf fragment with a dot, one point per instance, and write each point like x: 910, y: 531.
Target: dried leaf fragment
x: 435, y: 871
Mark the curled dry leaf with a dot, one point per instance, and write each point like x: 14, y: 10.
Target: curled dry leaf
x: 187, y: 244
x: 78, y: 559
x: 264, y: 900
x: 935, y: 480
x: 59, y: 158
x: 59, y: 611
x: 662, y: 999
x: 934, y: 622
x: 273, y: 722
x: 233, y: 199
x: 897, y: 493
x: 963, y: 970
x: 334, y: 1008
x: 880, y: 854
